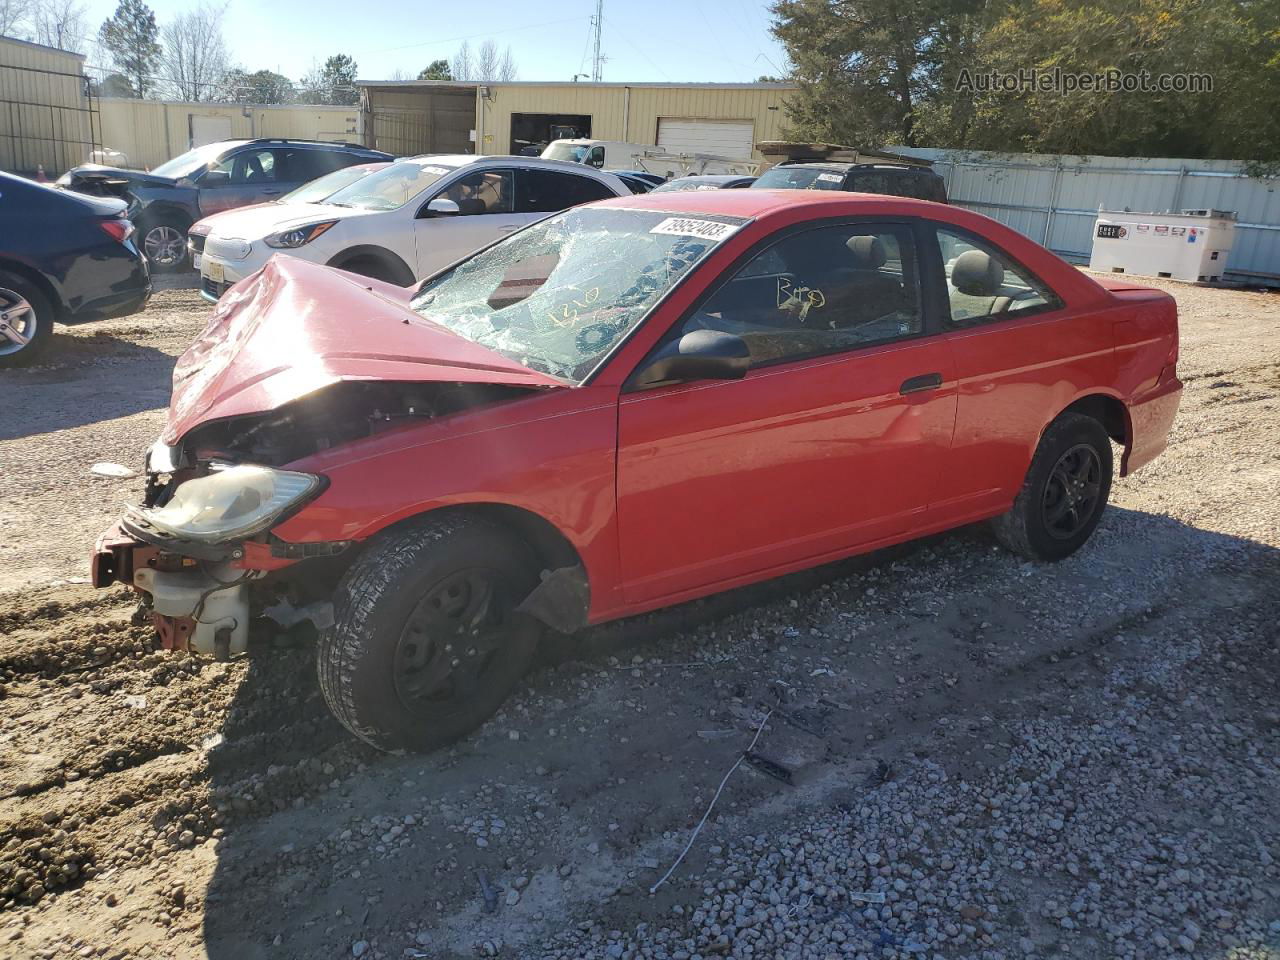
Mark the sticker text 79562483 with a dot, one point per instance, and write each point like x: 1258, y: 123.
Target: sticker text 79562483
x: 693, y: 227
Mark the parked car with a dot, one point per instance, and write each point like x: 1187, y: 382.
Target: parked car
x: 706, y: 182
x: 892, y: 179
x: 312, y: 192
x: 165, y: 202
x: 640, y: 181
x: 601, y: 154
x: 657, y: 161
x: 64, y: 258
x: 408, y: 220
x: 622, y: 407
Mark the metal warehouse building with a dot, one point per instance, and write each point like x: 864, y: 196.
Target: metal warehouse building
x: 441, y: 116
x: 47, y: 117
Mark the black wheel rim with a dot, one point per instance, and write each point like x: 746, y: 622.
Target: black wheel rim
x: 450, y: 642
x: 1072, y: 492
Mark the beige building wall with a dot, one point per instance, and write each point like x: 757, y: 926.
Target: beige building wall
x: 149, y: 132
x: 631, y: 112
x: 44, y: 113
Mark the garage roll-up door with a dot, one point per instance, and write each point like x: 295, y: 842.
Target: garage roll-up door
x: 724, y: 138
x: 209, y: 129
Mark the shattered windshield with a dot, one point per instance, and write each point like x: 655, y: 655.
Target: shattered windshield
x: 800, y: 178
x: 391, y: 187
x: 560, y: 295
x: 191, y: 162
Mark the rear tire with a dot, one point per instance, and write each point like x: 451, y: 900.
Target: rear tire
x: 426, y: 643
x: 26, y: 320
x: 1064, y: 494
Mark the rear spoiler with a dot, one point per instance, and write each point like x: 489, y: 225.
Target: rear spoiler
x: 781, y: 150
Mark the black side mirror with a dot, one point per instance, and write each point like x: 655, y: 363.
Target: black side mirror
x: 700, y: 355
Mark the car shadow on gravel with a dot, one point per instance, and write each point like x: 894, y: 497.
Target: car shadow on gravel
x: 329, y: 844
x: 83, y: 380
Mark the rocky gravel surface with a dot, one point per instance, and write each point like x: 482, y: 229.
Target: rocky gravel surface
x: 959, y: 754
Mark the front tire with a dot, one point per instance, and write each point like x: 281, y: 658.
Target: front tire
x: 426, y: 643
x: 26, y: 320
x: 1064, y: 494
x: 164, y: 243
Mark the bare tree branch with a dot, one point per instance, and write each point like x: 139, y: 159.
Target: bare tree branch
x: 463, y: 67
x: 13, y: 15
x: 195, y: 54
x: 60, y: 23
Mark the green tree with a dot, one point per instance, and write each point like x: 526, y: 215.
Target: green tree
x: 1235, y: 42
x: 261, y: 86
x: 876, y: 72
x: 118, y: 85
x: 129, y: 37
x: 334, y: 82
x: 865, y: 67
x: 436, y: 70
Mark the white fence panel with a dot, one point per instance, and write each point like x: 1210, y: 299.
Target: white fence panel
x: 1054, y: 200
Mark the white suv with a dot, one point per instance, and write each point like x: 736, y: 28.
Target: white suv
x: 404, y: 222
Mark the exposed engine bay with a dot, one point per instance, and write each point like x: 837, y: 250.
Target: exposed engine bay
x: 339, y: 414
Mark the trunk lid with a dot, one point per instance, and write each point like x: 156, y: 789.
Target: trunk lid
x: 297, y: 327
x: 1129, y: 289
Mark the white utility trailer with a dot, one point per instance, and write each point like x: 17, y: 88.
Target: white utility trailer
x: 1191, y: 245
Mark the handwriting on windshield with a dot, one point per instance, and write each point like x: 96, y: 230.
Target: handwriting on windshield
x: 569, y: 314
x: 799, y: 300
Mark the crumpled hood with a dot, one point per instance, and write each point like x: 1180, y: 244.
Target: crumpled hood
x: 254, y: 223
x: 297, y: 327
x: 88, y: 171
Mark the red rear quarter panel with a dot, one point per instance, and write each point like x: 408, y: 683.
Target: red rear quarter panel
x: 1146, y: 375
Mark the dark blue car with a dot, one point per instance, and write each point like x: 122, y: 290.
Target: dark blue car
x: 64, y: 258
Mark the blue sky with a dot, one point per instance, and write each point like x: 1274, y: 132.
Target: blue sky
x: 654, y: 40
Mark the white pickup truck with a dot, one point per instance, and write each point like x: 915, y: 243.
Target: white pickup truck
x: 617, y: 155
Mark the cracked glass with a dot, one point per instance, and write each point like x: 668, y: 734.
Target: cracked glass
x: 560, y: 295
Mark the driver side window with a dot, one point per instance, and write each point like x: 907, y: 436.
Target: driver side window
x: 820, y: 291
x: 481, y: 193
x: 246, y: 167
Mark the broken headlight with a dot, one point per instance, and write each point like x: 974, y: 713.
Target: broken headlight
x: 229, y: 504
x: 298, y: 236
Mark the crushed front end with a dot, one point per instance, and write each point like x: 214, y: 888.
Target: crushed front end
x: 198, y: 541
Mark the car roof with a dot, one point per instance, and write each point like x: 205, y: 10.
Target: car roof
x: 711, y: 178
x: 753, y: 203
x: 843, y: 166
x: 539, y: 163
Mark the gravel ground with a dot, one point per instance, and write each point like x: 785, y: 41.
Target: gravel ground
x: 980, y: 757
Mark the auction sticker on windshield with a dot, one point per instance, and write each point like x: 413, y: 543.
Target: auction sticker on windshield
x: 438, y: 171
x: 704, y: 229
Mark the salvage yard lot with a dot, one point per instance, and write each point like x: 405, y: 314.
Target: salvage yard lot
x: 988, y: 756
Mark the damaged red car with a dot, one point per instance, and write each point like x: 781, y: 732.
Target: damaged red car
x: 622, y: 407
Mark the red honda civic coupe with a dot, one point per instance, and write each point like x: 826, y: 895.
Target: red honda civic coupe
x: 624, y: 406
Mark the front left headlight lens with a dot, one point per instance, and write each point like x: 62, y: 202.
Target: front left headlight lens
x: 228, y: 504
x: 298, y: 236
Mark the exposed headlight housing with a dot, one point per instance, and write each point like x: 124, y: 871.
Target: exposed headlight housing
x: 162, y: 458
x: 228, y: 504
x: 298, y: 236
